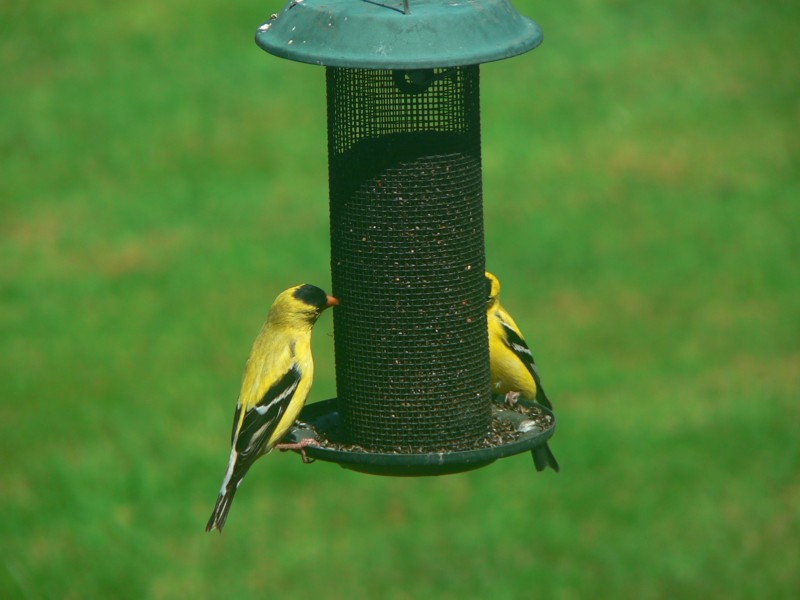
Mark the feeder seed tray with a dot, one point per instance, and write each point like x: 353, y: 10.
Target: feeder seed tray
x: 514, y: 430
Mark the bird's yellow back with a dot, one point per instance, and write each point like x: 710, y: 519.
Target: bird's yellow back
x: 283, y: 343
x: 508, y: 372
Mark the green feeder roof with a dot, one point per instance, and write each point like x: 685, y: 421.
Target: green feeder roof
x: 371, y: 34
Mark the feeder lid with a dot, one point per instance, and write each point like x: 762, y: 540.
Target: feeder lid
x: 378, y: 35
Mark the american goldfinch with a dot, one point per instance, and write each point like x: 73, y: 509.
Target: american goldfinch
x: 276, y: 382
x: 513, y: 370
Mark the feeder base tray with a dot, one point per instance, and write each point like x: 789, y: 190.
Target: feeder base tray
x: 320, y: 421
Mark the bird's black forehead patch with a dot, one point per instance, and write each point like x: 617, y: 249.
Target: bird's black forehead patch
x: 488, y: 288
x: 311, y: 295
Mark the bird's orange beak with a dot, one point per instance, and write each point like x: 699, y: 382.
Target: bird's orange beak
x: 331, y: 302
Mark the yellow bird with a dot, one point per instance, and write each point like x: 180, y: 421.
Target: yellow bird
x: 513, y: 370
x: 276, y: 382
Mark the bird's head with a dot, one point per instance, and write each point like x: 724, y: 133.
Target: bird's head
x: 492, y: 290
x: 301, y: 304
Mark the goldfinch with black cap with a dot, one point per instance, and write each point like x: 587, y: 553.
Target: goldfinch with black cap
x: 276, y: 382
x: 513, y: 370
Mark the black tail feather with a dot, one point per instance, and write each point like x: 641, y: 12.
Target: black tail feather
x: 543, y: 457
x: 221, y: 508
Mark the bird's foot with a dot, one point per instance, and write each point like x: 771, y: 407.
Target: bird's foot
x: 512, y: 398
x: 300, y: 447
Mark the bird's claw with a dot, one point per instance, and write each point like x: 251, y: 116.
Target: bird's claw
x: 300, y: 447
x: 512, y: 398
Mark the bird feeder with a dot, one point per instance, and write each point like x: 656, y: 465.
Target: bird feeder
x: 407, y: 236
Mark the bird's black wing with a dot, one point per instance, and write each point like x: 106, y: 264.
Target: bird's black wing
x: 521, y: 350
x: 260, y: 421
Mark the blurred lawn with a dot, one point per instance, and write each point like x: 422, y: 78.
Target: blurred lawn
x: 162, y: 179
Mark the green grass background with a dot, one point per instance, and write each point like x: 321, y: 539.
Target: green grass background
x: 162, y: 179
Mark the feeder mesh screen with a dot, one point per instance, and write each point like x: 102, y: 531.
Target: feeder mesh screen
x: 407, y: 258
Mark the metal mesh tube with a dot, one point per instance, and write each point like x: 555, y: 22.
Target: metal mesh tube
x: 407, y: 257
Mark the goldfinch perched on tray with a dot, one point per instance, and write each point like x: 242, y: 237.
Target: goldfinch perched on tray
x: 513, y: 370
x: 277, y: 379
